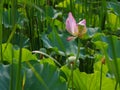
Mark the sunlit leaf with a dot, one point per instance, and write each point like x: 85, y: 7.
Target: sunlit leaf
x: 88, y: 81
x: 10, y: 53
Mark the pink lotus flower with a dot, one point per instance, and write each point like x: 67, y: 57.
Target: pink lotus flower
x: 75, y: 29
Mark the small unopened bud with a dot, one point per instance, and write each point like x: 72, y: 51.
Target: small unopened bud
x: 72, y: 63
x: 103, y: 60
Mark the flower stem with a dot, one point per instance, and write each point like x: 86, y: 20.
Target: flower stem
x: 72, y: 76
x: 77, y: 57
x: 101, y: 76
x: 116, y: 85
